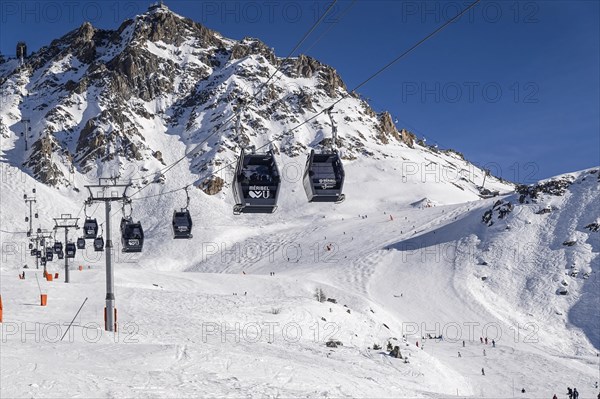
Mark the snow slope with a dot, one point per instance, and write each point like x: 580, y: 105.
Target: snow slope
x: 415, y: 249
x: 394, y: 270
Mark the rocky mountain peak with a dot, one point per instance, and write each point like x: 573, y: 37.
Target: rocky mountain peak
x: 161, y: 83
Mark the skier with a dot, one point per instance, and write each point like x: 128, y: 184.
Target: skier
x: 482, y: 371
x: 417, y: 344
x: 486, y: 340
x: 484, y: 352
x: 459, y: 355
x: 463, y: 344
x: 493, y: 343
x: 575, y: 393
x: 481, y: 339
x: 554, y: 397
x: 570, y: 392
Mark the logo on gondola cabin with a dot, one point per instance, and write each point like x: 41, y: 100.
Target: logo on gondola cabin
x: 327, y: 183
x: 259, y: 192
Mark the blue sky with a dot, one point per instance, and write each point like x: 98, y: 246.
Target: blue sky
x: 514, y: 85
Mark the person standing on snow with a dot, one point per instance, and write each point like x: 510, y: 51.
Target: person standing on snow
x: 570, y: 392
x: 575, y: 393
x: 482, y: 371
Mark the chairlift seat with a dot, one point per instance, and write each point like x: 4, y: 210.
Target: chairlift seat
x: 256, y: 183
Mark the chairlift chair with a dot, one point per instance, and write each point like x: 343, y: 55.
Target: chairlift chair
x: 182, y: 224
x: 70, y: 250
x: 132, y: 235
x: 324, y: 177
x: 256, y: 183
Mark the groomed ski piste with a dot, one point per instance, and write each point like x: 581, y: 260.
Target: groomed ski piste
x: 233, y: 312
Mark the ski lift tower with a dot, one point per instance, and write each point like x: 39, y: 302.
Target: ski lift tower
x: 40, y: 238
x: 25, y: 134
x: 108, y: 190
x: 65, y: 221
x: 30, y: 201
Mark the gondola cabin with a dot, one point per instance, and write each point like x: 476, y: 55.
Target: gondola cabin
x: 324, y: 177
x: 256, y: 183
x: 58, y: 247
x: 98, y: 244
x: 90, y: 229
x: 70, y: 250
x: 182, y: 224
x: 81, y: 243
x: 132, y: 236
x: 49, y: 254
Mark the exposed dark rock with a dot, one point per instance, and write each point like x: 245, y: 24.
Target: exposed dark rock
x: 213, y: 185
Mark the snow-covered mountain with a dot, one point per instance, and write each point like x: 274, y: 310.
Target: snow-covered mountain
x: 417, y: 248
x: 129, y: 102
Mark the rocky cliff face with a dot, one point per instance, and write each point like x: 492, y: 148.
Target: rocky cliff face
x: 160, y: 84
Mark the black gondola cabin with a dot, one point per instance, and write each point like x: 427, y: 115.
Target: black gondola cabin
x: 132, y: 235
x: 256, y: 183
x: 324, y: 177
x: 182, y: 224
